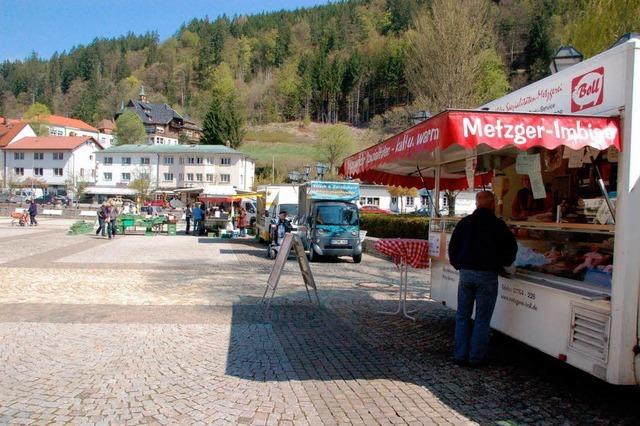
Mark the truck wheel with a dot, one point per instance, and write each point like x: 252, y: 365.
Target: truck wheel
x: 357, y: 258
x: 313, y: 256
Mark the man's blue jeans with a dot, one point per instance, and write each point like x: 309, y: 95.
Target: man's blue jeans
x: 472, y: 340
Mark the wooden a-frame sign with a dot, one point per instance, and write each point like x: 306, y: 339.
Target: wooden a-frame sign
x: 291, y: 241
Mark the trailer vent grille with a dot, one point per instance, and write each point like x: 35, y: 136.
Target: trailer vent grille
x: 589, y: 332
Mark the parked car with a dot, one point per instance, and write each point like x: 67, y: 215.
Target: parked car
x: 373, y: 209
x: 422, y: 211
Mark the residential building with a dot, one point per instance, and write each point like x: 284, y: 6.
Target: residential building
x: 163, y: 124
x: 10, y: 132
x: 175, y: 166
x: 65, y: 126
x: 378, y: 195
x: 56, y: 160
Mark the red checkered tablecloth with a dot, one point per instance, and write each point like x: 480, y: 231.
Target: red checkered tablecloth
x: 414, y: 252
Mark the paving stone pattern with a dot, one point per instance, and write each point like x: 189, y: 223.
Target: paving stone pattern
x: 167, y: 330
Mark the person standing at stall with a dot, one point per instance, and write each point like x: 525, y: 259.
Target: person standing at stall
x: 187, y: 217
x: 242, y: 221
x: 197, y: 219
x: 481, y: 245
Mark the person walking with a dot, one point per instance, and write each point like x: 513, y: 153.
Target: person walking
x: 33, y: 212
x: 481, y: 245
x: 113, y: 215
x: 187, y: 216
x: 101, y: 219
x: 198, y: 217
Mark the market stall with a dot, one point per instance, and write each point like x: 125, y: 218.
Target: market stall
x: 566, y: 184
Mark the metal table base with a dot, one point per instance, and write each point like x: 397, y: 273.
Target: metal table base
x: 402, y: 300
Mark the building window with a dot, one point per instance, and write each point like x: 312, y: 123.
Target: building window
x: 81, y: 172
x: 126, y: 177
x: 38, y: 171
x: 181, y: 160
x: 107, y: 176
x: 91, y: 157
x: 180, y: 176
x: 159, y: 129
x: 198, y: 160
x: 57, y: 172
x: 56, y: 132
x: 424, y: 200
x: 126, y: 160
x: 144, y: 176
x: 58, y: 155
x: 409, y: 201
x: 144, y: 160
x: 225, y: 178
x: 374, y: 201
x: 191, y: 160
x: 199, y: 177
x: 18, y: 155
x: 394, y: 200
x: 225, y: 161
x: 168, y: 177
x: 38, y: 155
x: 209, y: 177
x: 108, y: 160
x: 190, y: 177
x: 19, y: 171
x: 168, y: 160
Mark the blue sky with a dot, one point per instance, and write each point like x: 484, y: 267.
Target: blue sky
x: 46, y: 26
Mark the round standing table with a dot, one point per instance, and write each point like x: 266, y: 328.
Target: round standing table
x: 405, y: 252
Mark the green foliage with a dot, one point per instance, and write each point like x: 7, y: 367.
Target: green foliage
x: 129, y: 129
x: 141, y: 183
x: 37, y: 116
x: 598, y: 23
x: 346, y: 61
x: 336, y: 142
x: 395, y: 226
x: 224, y: 123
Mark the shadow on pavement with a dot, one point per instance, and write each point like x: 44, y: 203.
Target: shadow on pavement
x: 336, y: 342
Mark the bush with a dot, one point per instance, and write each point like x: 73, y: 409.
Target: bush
x: 395, y: 226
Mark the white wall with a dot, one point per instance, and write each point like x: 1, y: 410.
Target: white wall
x: 26, y: 131
x: 103, y: 138
x: 241, y: 171
x: 82, y: 159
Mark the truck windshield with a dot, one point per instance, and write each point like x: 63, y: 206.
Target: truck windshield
x: 291, y: 209
x: 346, y: 215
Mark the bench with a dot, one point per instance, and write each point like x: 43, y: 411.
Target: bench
x: 50, y: 212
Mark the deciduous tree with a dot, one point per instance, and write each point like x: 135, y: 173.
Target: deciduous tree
x: 129, y: 129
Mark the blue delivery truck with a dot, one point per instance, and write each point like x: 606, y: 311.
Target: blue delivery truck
x: 328, y: 219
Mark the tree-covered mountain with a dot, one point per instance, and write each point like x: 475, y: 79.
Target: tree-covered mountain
x: 346, y: 61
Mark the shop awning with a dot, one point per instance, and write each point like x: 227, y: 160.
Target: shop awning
x: 454, y: 135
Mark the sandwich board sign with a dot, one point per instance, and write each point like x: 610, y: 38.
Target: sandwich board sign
x: 291, y: 241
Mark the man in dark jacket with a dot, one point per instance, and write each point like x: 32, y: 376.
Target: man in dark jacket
x: 481, y: 245
x: 33, y: 212
x: 282, y: 226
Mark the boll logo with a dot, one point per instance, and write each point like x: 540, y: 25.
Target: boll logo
x: 587, y: 90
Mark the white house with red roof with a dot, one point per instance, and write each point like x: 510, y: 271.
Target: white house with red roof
x: 54, y: 159
x: 65, y: 126
x: 10, y: 132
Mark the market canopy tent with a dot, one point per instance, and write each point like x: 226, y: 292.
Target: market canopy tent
x: 409, y: 158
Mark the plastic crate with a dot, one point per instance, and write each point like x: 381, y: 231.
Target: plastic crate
x: 171, y: 229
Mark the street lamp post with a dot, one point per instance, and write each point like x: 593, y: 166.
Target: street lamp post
x: 565, y: 57
x: 321, y: 169
x: 294, y: 176
x: 307, y: 171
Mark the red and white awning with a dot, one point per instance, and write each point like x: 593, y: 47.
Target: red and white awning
x: 452, y: 133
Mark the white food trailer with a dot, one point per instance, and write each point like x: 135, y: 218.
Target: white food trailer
x: 576, y: 135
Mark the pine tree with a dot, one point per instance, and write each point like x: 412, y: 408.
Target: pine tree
x: 213, y: 127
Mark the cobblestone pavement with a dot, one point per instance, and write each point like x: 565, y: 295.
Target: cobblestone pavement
x: 167, y: 330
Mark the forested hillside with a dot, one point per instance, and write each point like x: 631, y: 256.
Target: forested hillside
x: 348, y: 61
